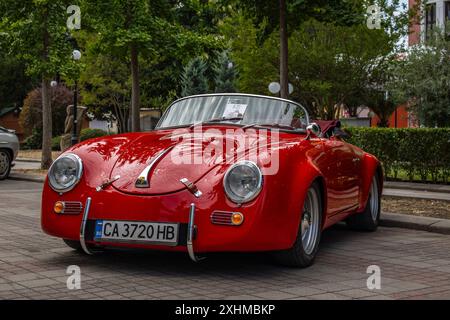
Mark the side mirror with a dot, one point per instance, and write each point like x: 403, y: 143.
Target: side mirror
x: 313, y: 129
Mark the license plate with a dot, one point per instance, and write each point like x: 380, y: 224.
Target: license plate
x: 133, y: 231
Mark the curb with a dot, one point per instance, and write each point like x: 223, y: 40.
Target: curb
x: 26, y: 177
x: 415, y: 222
x: 417, y: 186
x: 27, y: 160
x: 416, y: 194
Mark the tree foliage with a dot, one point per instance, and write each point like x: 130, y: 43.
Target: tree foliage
x: 194, y: 79
x: 31, y: 115
x: 225, y: 74
x: 156, y: 38
x: 14, y: 83
x: 332, y: 64
x: 35, y: 32
x: 423, y: 81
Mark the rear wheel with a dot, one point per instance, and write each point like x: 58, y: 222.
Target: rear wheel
x: 368, y: 219
x: 304, y: 250
x: 5, y: 164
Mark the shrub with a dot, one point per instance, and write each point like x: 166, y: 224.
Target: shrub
x: 56, y: 143
x: 92, y: 133
x: 34, y: 141
x: 31, y: 115
x: 423, y: 154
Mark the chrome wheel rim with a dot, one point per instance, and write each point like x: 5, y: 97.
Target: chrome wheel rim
x: 310, y: 221
x: 374, y: 197
x: 4, y: 162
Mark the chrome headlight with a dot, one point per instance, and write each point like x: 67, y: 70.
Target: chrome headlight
x: 243, y: 182
x: 65, y: 172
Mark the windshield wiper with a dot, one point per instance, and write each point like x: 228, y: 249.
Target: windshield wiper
x: 274, y: 125
x: 216, y: 120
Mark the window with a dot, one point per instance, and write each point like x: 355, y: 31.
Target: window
x: 447, y: 11
x: 430, y: 19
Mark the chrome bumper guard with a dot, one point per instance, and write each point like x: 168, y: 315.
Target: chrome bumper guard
x: 190, y: 235
x: 83, y: 226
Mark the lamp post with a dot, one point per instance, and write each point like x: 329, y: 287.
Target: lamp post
x: 76, y: 55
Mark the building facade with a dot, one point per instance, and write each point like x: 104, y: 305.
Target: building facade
x: 435, y: 14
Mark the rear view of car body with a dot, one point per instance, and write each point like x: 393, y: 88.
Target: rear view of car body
x: 9, y: 147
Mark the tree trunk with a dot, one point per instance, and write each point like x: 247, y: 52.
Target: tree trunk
x: 135, y: 107
x: 46, y: 159
x: 284, y: 82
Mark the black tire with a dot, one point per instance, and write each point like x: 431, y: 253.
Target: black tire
x: 368, y: 219
x: 76, y: 245
x: 297, y: 256
x: 5, y: 162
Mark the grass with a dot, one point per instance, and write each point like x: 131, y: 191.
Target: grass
x: 403, y: 175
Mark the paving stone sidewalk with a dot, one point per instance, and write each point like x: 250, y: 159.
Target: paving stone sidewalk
x: 414, y: 265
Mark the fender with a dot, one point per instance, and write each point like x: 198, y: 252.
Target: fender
x: 369, y: 168
x: 306, y: 173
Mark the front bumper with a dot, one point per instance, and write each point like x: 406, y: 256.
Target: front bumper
x: 87, y: 227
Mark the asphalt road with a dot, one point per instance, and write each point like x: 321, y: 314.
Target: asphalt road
x: 413, y: 264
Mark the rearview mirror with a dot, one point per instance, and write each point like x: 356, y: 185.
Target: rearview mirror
x: 313, y: 129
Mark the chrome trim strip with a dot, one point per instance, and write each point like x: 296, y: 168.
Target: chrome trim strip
x: 143, y: 180
x: 190, y: 235
x: 83, y: 226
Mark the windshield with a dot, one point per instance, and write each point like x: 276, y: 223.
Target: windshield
x: 238, y: 109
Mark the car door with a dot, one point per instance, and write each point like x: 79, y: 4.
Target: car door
x: 342, y: 176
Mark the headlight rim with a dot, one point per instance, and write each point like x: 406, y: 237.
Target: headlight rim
x: 78, y: 176
x: 247, y: 163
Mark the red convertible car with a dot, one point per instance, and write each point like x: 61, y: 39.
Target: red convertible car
x: 221, y: 172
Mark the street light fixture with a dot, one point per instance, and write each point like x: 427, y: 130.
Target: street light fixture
x: 76, y: 55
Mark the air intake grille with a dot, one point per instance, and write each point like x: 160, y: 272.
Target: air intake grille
x: 72, y: 207
x: 221, y: 217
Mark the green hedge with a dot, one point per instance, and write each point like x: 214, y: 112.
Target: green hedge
x: 408, y: 154
x: 92, y: 133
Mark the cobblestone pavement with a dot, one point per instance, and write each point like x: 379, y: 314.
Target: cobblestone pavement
x: 414, y: 264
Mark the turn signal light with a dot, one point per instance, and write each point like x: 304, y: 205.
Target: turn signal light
x: 59, y: 207
x: 227, y: 218
x: 237, y: 219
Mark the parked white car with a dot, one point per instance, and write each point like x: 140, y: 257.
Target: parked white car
x: 9, y: 147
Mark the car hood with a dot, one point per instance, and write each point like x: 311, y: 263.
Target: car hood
x: 170, y: 156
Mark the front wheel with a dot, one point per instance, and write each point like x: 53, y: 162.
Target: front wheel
x: 368, y: 219
x: 76, y: 245
x: 304, y: 250
x: 5, y: 164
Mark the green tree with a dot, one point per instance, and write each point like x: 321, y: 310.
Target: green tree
x: 423, y: 81
x: 124, y: 29
x: 36, y: 33
x: 332, y: 64
x: 155, y: 37
x: 193, y: 79
x: 225, y: 74
x: 14, y: 82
